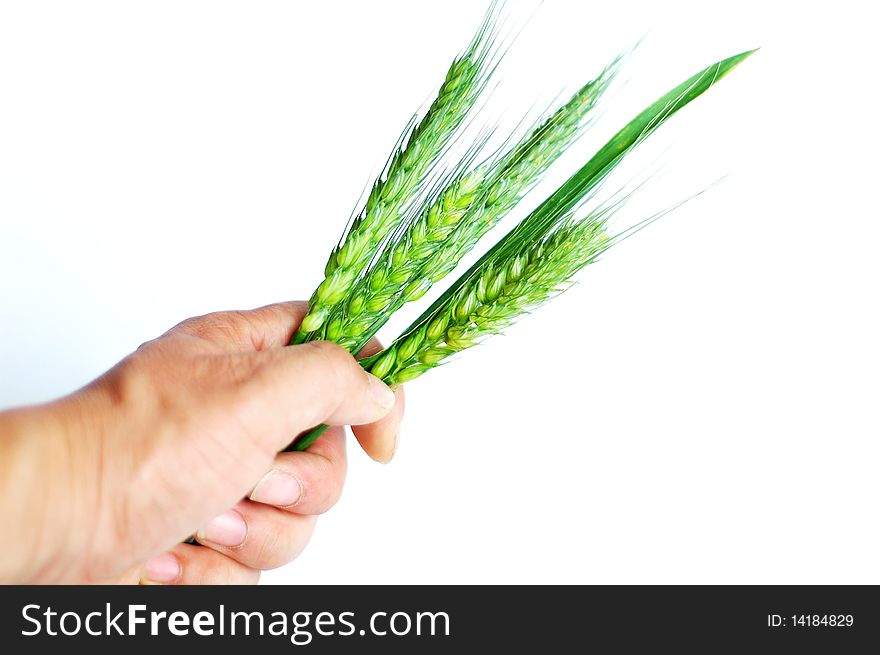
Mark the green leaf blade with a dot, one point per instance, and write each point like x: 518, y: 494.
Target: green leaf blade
x: 549, y: 213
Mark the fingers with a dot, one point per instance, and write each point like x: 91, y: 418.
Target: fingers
x: 189, y: 565
x: 274, y: 526
x: 373, y: 346
x: 258, y: 536
x: 271, y: 326
x: 302, y: 386
x: 379, y: 439
x: 237, y: 545
x: 307, y: 482
x: 261, y: 534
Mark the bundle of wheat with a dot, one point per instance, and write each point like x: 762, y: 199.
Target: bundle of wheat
x: 404, y: 239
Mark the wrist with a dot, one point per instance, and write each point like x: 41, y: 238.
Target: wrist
x: 48, y: 490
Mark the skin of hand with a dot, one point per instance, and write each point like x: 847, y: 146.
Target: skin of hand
x: 183, y: 437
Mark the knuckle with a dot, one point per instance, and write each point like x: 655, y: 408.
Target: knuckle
x: 227, y: 324
x: 272, y: 550
x: 193, y: 325
x: 331, y: 483
x: 134, y: 379
x: 278, y: 547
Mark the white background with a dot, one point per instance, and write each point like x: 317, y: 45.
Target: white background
x: 703, y: 407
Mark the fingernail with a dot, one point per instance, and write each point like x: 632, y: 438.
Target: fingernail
x: 393, y: 449
x: 228, y: 529
x: 161, y: 568
x: 380, y: 392
x: 278, y: 488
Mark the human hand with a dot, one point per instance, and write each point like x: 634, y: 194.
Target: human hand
x: 108, y: 481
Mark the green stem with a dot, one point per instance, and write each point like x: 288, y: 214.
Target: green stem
x: 307, y: 439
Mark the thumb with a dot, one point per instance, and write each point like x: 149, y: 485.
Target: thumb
x: 298, y: 387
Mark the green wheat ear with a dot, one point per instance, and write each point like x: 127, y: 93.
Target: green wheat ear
x: 434, y: 241
x: 418, y: 150
x: 499, y: 295
x: 541, y: 253
x: 533, y: 261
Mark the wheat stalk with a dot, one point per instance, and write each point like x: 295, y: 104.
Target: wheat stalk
x: 532, y: 261
x: 434, y: 242
x: 542, y: 235
x: 417, y: 151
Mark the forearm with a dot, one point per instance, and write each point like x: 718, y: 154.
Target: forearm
x: 42, y: 498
